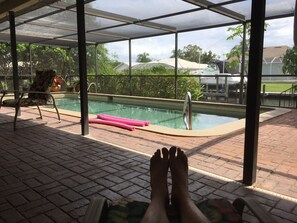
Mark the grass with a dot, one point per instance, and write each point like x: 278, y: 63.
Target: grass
x: 276, y: 87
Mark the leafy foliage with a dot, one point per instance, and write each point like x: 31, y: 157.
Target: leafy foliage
x: 5, y: 59
x: 43, y: 57
x: 194, y: 53
x: 155, y: 82
x: 290, y: 61
x: 152, y: 83
x: 143, y: 57
x: 105, y: 64
x: 235, y: 55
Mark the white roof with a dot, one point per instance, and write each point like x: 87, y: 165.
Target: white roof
x: 170, y: 64
x: 125, y: 66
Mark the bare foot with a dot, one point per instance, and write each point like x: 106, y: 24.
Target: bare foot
x: 156, y: 212
x: 179, y: 173
x: 180, y: 197
x: 159, y: 170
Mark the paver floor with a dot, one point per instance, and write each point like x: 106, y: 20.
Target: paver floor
x: 50, y: 172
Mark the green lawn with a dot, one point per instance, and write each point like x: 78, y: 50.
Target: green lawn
x: 276, y: 87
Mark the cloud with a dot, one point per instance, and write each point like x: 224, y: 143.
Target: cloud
x: 151, y: 8
x: 279, y: 32
x: 157, y: 48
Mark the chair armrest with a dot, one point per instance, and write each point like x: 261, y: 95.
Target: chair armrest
x: 262, y: 215
x: 95, y: 209
x: 22, y: 93
x: 9, y: 91
x: 40, y: 92
x: 5, y: 92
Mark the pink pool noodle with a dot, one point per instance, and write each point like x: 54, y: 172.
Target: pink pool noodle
x: 113, y: 123
x: 124, y: 120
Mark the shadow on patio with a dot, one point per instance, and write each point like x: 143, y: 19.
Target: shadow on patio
x: 49, y: 174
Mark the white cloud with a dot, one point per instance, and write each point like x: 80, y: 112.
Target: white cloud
x: 279, y: 32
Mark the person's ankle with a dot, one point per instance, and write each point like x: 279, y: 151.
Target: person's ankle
x: 180, y: 198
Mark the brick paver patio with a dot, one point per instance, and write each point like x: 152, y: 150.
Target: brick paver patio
x: 50, y: 172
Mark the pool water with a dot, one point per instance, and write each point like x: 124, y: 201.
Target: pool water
x: 156, y: 116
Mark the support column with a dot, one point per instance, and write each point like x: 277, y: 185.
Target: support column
x: 242, y: 64
x: 96, y: 68
x: 130, y: 67
x: 295, y: 25
x: 14, y: 56
x: 81, y: 35
x: 69, y: 76
x: 176, y: 64
x: 31, y: 65
x: 253, y: 92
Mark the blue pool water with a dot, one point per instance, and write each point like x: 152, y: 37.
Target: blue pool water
x: 157, y: 116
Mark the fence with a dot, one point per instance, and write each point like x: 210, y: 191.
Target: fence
x: 219, y: 88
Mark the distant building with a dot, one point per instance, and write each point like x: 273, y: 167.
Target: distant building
x: 124, y: 66
x: 183, y: 65
x: 273, y: 61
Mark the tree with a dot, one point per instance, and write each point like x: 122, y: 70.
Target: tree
x: 5, y: 59
x: 235, y: 54
x: 46, y: 57
x: 290, y: 61
x: 43, y: 57
x: 208, y: 57
x: 194, y: 53
x: 105, y: 63
x: 143, y: 57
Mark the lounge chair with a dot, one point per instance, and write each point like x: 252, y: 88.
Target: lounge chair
x: 216, y: 210
x: 37, y: 95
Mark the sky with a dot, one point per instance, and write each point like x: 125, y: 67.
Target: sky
x: 278, y: 33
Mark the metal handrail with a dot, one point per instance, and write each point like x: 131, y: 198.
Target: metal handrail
x: 187, y: 109
x: 91, y: 84
x: 88, y: 89
x: 290, y: 91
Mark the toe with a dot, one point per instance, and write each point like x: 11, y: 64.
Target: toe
x: 157, y: 153
x: 165, y: 153
x: 155, y: 157
x: 172, y: 152
x: 180, y: 153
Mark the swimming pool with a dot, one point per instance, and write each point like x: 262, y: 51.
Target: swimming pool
x: 171, y: 118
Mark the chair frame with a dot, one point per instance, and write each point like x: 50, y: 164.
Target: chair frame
x: 260, y: 213
x: 98, y: 205
x: 18, y: 106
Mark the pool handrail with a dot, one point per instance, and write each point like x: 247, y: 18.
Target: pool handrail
x: 188, y: 109
x: 90, y: 85
x: 88, y: 89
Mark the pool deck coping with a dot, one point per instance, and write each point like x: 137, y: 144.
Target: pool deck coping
x: 266, y: 114
x: 215, y: 131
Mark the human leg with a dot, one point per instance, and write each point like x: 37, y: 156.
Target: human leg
x: 180, y: 196
x: 156, y: 211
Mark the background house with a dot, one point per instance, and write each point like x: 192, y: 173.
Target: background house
x: 183, y: 65
x: 273, y: 62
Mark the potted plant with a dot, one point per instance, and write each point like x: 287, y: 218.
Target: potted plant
x: 76, y: 85
x: 4, y: 85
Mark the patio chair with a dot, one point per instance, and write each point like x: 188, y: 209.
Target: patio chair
x: 216, y: 210
x: 37, y: 95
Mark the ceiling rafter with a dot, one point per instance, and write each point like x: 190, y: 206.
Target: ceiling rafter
x: 21, y: 7
x: 218, y: 8
x: 65, y: 28
x: 160, y: 28
x: 45, y: 14
x: 116, y: 17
